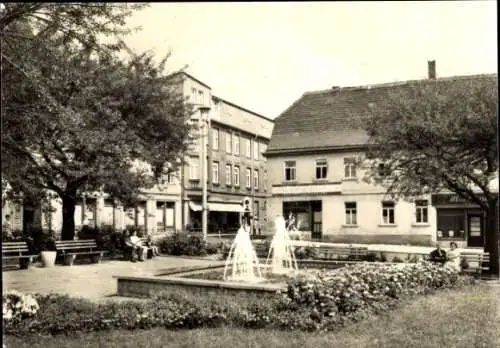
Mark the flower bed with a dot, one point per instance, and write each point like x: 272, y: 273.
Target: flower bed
x: 319, y: 300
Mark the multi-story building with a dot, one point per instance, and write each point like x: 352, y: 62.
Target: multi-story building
x: 314, y: 176
x: 236, y: 139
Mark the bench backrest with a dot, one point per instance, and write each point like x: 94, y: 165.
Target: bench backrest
x: 14, y: 247
x: 475, y: 259
x: 343, y: 251
x: 76, y: 244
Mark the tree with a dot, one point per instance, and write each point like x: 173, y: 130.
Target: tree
x: 76, y: 117
x: 431, y: 136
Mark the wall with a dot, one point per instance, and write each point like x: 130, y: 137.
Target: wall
x: 335, y: 190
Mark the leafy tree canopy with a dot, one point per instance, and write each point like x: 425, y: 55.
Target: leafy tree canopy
x: 439, y: 135
x: 76, y: 117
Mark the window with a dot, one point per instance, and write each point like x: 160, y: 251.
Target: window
x: 215, y: 139
x: 171, y: 178
x: 351, y: 213
x: 194, y: 96
x: 248, y: 178
x: 236, y: 144
x: 248, y: 148
x: 383, y: 170
x: 215, y: 172
x: 289, y: 170
x: 236, y: 174
x: 321, y: 168
x: 349, y: 168
x: 168, y: 178
x: 422, y: 211
x: 216, y: 106
x: 256, y: 179
x: 388, y: 213
x: 228, y: 175
x: 194, y: 171
x: 200, y: 96
x: 228, y: 142
x: 255, y: 150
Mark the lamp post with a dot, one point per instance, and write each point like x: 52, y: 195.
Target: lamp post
x: 204, y: 124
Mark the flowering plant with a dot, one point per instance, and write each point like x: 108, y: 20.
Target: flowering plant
x: 17, y: 305
x: 362, y: 288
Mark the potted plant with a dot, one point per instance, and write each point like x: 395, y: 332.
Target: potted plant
x: 48, y: 249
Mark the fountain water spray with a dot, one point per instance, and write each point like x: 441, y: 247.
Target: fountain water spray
x: 243, y: 259
x: 281, y: 258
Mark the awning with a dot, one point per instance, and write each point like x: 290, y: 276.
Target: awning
x: 194, y: 206
x: 228, y: 207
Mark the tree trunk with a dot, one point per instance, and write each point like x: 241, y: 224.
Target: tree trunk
x: 492, y: 236
x: 68, y: 212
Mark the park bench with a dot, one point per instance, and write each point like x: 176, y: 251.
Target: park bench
x: 17, y: 250
x: 477, y: 262
x: 69, y: 249
x: 351, y: 253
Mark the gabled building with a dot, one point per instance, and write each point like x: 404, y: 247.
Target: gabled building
x: 313, y: 174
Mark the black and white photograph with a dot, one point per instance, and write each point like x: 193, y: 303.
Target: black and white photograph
x: 250, y: 174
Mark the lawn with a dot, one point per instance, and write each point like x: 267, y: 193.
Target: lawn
x: 465, y: 318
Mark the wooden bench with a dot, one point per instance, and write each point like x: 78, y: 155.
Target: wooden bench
x: 69, y: 249
x: 352, y: 253
x: 477, y: 262
x: 17, y: 250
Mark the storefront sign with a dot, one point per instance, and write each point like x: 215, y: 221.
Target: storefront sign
x: 452, y: 199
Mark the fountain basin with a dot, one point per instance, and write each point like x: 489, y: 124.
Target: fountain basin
x: 176, y: 285
x: 191, y: 281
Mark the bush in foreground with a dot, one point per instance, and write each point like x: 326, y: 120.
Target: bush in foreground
x: 318, y: 300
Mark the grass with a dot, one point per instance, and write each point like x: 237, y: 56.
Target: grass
x: 452, y: 319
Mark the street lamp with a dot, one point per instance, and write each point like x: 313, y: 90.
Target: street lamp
x: 204, y: 125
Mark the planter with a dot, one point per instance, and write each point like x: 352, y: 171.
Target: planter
x: 48, y: 258
x: 68, y: 260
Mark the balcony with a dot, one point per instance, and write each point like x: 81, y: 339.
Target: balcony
x: 193, y: 185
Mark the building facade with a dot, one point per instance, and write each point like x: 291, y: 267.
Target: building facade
x: 236, y: 138
x: 313, y: 174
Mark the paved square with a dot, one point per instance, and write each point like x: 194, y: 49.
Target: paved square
x: 92, y: 281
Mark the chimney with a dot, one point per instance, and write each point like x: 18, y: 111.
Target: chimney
x: 431, y: 69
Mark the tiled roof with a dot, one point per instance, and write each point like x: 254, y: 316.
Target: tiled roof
x: 331, y: 118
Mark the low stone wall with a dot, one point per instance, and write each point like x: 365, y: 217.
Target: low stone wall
x: 394, y: 239
x: 153, y: 286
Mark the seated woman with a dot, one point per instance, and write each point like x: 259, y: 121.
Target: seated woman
x: 150, y: 245
x: 453, y: 258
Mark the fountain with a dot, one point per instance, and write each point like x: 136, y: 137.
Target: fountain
x: 242, y: 259
x: 281, y: 258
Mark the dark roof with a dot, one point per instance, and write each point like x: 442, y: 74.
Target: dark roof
x: 329, y: 119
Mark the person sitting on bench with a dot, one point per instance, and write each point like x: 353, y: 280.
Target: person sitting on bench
x: 132, y: 241
x: 150, y: 245
x: 438, y: 255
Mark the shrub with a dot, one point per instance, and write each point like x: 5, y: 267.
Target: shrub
x: 302, y: 253
x: 17, y: 306
x: 397, y: 259
x: 183, y: 244
x: 356, y: 291
x: 316, y: 300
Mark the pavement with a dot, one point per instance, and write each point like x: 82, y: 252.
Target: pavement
x: 91, y: 281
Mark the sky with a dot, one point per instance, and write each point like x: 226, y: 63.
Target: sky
x: 264, y: 55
